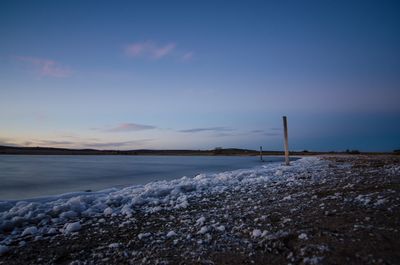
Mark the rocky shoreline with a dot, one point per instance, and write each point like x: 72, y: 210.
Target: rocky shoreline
x: 345, y: 211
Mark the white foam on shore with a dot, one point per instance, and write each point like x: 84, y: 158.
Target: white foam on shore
x: 57, y: 213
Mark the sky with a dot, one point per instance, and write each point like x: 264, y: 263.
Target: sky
x: 200, y: 74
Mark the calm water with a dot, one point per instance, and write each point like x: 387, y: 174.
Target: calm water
x: 26, y: 176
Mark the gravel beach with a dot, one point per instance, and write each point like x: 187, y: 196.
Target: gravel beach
x: 339, y: 210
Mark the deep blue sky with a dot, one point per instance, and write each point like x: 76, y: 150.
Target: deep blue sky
x: 200, y: 74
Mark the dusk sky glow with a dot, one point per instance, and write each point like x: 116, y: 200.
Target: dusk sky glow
x: 200, y: 74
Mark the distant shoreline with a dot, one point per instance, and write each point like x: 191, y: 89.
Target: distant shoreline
x: 12, y: 150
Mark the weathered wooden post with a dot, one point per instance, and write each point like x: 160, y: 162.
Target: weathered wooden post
x: 261, y: 159
x: 285, y: 132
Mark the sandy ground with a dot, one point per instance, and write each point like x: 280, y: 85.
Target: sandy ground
x: 348, y: 215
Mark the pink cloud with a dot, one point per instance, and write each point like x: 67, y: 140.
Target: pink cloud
x: 162, y: 51
x: 187, y: 56
x: 46, y: 67
x: 135, y: 49
x: 149, y: 49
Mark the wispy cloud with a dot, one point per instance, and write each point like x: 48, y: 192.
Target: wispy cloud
x: 225, y: 134
x: 82, y: 143
x: 7, y: 142
x: 257, y: 131
x: 45, y: 67
x: 111, y: 145
x: 149, y: 49
x: 48, y: 143
x: 52, y: 143
x: 271, y: 134
x: 206, y: 129
x: 127, y: 127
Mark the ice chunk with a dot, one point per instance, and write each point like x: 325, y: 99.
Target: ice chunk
x: 221, y: 228
x: 201, y: 221
x: 379, y: 202
x: 303, y: 236
x: 203, y: 230
x: 183, y: 203
x: 363, y: 199
x: 313, y: 260
x: 126, y: 210
x: 52, y: 231
x: 72, y: 227
x: 171, y: 234
x: 108, y: 211
x: 68, y: 215
x: 30, y: 231
x: 287, y: 198
x: 114, y: 245
x: 143, y: 235
x: 256, y: 233
x: 264, y: 233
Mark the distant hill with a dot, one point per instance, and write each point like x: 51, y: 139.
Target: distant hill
x: 64, y: 151
x: 13, y: 150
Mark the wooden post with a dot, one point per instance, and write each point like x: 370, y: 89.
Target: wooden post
x: 285, y: 132
x: 261, y: 154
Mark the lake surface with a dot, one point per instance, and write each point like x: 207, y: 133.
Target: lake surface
x: 27, y: 176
